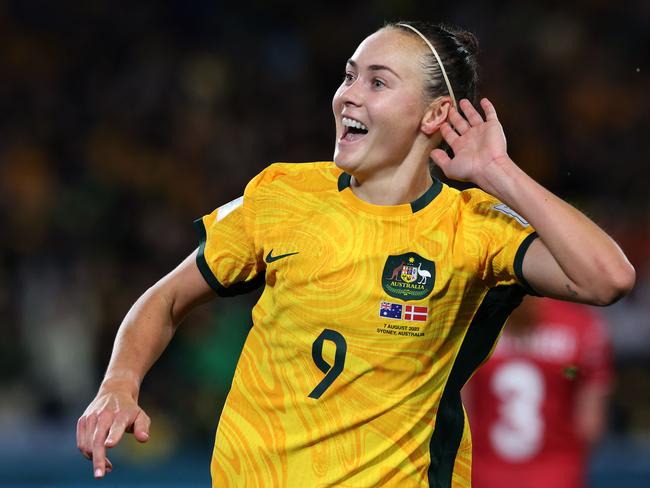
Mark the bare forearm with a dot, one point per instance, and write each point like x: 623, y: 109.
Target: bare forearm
x: 150, y: 324
x: 145, y: 332
x: 592, y: 261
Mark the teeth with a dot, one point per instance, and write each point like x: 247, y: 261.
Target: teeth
x: 347, y: 122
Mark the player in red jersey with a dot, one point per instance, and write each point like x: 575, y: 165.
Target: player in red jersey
x: 539, y: 403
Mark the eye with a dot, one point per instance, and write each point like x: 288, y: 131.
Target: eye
x: 377, y: 83
x: 348, y: 78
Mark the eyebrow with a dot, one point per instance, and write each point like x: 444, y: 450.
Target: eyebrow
x: 374, y: 67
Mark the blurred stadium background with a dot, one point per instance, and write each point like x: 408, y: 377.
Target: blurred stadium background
x: 121, y: 122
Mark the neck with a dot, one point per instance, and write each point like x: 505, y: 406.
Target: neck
x: 395, y: 185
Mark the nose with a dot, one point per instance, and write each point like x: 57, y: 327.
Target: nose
x: 351, y: 95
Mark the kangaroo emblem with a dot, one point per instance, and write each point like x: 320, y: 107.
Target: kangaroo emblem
x: 396, y: 271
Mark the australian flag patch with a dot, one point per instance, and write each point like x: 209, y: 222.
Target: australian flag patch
x: 390, y: 310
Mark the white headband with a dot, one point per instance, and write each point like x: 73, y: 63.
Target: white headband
x: 435, y: 53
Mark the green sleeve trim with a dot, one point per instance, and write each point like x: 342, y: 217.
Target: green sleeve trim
x: 206, y: 272
x: 519, y: 262
x: 202, y: 264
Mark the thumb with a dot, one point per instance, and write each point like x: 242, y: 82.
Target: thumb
x: 441, y: 158
x: 141, y: 426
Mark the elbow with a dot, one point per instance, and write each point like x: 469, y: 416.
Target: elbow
x: 618, y: 283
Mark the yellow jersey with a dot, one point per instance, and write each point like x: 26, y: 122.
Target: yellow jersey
x: 371, y: 320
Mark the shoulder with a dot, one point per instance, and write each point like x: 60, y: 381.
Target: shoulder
x: 475, y: 203
x: 469, y: 201
x: 294, y: 174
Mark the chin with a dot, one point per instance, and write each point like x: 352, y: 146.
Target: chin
x: 344, y: 164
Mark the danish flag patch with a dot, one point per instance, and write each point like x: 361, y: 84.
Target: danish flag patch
x: 415, y: 313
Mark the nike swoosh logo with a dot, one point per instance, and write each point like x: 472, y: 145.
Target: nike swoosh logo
x: 270, y: 258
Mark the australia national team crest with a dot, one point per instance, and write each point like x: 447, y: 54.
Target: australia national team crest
x: 408, y: 276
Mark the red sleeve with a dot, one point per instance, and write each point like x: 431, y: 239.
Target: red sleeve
x: 596, y: 353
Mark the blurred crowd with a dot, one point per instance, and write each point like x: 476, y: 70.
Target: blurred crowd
x: 121, y: 122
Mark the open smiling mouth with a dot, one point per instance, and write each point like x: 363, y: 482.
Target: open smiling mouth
x: 353, y: 130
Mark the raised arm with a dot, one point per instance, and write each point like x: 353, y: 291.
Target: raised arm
x: 573, y: 259
x: 143, y: 335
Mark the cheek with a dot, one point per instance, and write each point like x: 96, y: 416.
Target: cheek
x: 402, y: 115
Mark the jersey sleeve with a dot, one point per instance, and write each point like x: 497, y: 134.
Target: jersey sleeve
x: 228, y: 257
x: 501, y: 237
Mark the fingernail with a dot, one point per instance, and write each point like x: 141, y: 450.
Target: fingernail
x: 98, y: 473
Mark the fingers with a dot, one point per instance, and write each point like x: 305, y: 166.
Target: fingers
x: 103, y: 424
x: 441, y: 158
x: 104, y: 421
x: 97, y: 432
x: 117, y: 430
x: 458, y: 121
x: 450, y: 135
x: 85, y: 430
x: 488, y: 108
x: 81, y: 435
x: 141, y: 427
x: 472, y: 116
x: 471, y: 113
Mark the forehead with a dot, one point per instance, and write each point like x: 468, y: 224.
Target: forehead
x: 393, y: 48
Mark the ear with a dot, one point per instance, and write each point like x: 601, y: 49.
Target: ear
x: 435, y: 115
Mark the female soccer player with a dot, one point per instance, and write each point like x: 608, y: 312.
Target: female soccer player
x: 384, y: 289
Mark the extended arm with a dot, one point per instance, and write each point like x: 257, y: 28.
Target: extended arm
x: 143, y: 335
x: 573, y: 259
x: 590, y: 413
